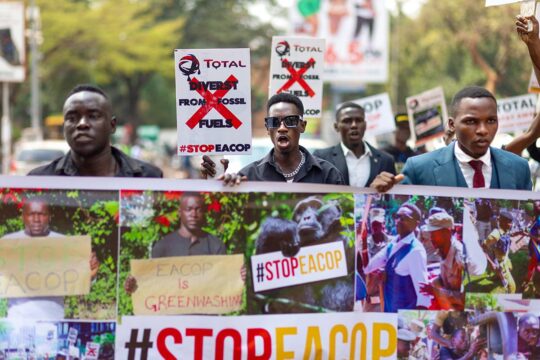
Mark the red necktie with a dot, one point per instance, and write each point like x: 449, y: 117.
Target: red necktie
x: 478, y: 178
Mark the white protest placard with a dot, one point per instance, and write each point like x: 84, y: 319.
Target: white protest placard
x: 296, y: 67
x: 356, y: 34
x: 427, y: 115
x: 213, y: 101
x: 92, y: 351
x: 516, y: 113
x: 312, y: 263
x: 12, y: 44
x: 343, y: 335
x: 379, y: 115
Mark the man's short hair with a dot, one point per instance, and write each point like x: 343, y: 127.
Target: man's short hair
x: 417, y: 214
x: 347, y: 105
x: 286, y: 98
x: 473, y: 92
x: 191, y: 194
x: 87, y: 87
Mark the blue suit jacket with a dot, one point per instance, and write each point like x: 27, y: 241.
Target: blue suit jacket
x: 441, y: 168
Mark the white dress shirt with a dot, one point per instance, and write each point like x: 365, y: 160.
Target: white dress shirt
x: 468, y: 171
x: 414, y: 264
x: 359, y: 167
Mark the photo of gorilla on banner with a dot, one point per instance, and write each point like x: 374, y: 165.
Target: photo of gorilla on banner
x: 508, y: 233
x: 410, y: 253
x: 302, y: 260
x: 58, y: 254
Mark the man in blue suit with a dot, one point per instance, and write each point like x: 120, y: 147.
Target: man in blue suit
x: 358, y: 161
x: 470, y: 161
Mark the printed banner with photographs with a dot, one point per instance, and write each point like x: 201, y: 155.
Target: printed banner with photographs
x: 57, y: 339
x: 356, y: 33
x: 300, y: 336
x: 305, y: 253
x: 427, y: 115
x: 213, y: 101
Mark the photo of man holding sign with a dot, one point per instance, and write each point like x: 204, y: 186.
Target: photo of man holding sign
x: 42, y: 271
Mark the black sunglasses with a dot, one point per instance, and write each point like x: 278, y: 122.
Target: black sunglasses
x: 273, y: 122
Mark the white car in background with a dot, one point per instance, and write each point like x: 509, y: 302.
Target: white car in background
x: 29, y: 155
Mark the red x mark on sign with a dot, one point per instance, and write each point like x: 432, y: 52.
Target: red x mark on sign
x: 91, y: 352
x: 212, y: 102
x: 296, y: 76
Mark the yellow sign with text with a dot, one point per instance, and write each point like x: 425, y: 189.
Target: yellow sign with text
x: 45, y: 266
x: 188, y: 285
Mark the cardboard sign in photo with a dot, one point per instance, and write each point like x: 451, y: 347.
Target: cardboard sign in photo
x: 213, y: 101
x: 44, y: 266
x: 188, y: 285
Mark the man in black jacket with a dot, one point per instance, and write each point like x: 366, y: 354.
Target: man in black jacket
x: 287, y: 161
x: 358, y: 162
x: 88, y: 126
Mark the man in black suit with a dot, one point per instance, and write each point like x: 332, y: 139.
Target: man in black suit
x: 358, y: 162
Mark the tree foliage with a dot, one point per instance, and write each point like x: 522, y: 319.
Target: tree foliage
x: 459, y: 43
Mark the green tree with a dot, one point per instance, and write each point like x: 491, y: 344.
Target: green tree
x: 459, y: 43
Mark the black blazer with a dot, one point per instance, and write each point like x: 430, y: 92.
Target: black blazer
x: 379, y: 161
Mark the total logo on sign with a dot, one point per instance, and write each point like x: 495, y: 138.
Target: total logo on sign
x: 213, y: 100
x: 296, y: 68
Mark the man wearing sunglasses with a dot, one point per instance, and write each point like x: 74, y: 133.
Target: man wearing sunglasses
x: 358, y: 162
x: 287, y: 161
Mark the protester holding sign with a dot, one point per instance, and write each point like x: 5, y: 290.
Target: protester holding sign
x: 358, y: 161
x: 470, y: 161
x: 88, y: 126
x: 287, y: 161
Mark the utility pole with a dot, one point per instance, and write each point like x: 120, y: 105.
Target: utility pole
x: 35, y: 55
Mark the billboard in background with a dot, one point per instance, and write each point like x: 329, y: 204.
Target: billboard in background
x: 356, y: 33
x: 12, y: 49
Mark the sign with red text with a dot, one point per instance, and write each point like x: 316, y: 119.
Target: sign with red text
x: 379, y: 115
x: 290, y: 336
x: 356, y: 33
x: 296, y: 67
x: 12, y: 42
x: 427, y: 115
x: 213, y: 101
x: 516, y: 113
x: 44, y: 266
x: 92, y: 351
x: 312, y: 263
x: 188, y: 285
